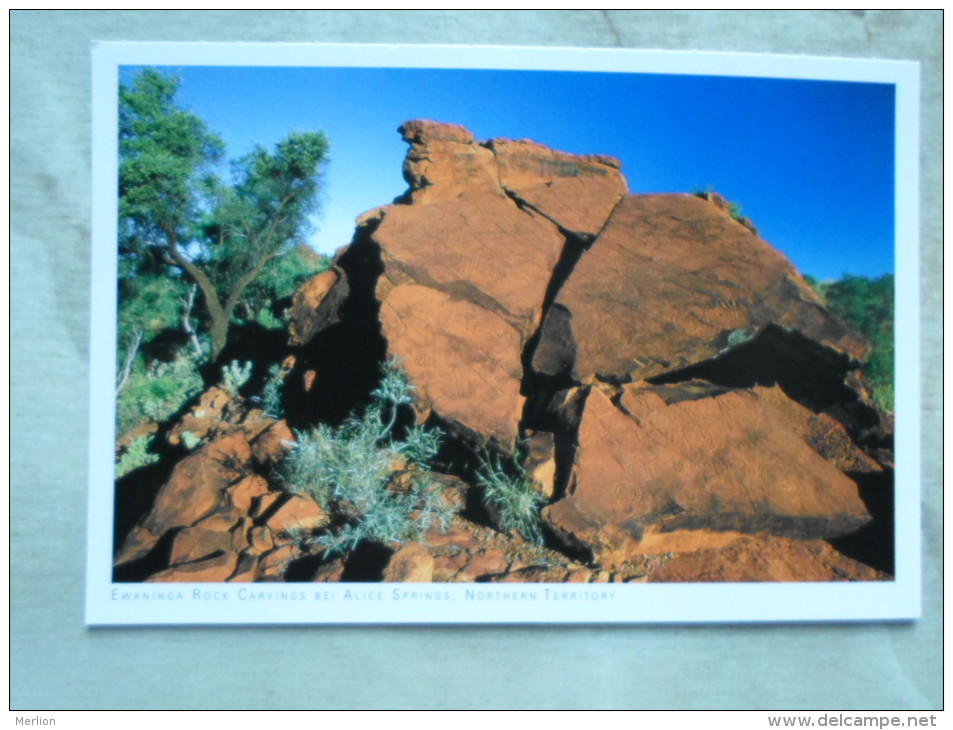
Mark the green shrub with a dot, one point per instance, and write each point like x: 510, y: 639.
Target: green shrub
x: 136, y: 455
x: 190, y: 440
x: 280, y: 280
x: 270, y: 398
x: 734, y: 209
x: 740, y: 336
x: 510, y: 495
x: 374, y: 486
x: 868, y: 306
x: 156, y: 392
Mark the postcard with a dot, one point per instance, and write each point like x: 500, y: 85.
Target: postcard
x: 420, y: 334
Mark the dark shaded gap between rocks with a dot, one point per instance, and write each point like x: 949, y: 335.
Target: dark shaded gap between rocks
x: 366, y: 563
x: 344, y: 359
x: 304, y: 569
x: 808, y: 373
x: 459, y: 456
x: 573, y: 249
x: 587, y: 239
x: 874, y: 543
x: 553, y: 401
x: 560, y: 416
x: 270, y: 511
x: 156, y: 560
x: 547, y: 362
x: 574, y: 246
x: 134, y: 494
x: 572, y: 549
x: 548, y: 359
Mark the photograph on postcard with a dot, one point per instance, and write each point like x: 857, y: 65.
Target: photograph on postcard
x: 422, y: 332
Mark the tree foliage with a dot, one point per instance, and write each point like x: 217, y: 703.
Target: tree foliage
x: 867, y: 305
x: 164, y: 153
x: 262, y: 299
x: 182, y: 220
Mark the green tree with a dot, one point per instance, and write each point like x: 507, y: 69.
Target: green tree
x: 868, y: 306
x: 177, y: 214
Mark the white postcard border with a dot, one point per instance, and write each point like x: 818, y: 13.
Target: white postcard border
x: 109, y: 604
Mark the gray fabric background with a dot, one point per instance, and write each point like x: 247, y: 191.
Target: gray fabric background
x: 59, y: 664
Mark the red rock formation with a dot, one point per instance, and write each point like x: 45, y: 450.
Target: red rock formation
x: 672, y: 281
x: 651, y: 477
x: 216, y: 569
x: 297, y: 512
x: 577, y: 193
x: 202, y: 419
x: 214, y: 517
x: 462, y: 359
x: 766, y: 559
x: 316, y: 305
x: 629, y: 288
x: 410, y: 564
x: 679, y: 387
x: 467, y: 264
x: 195, y: 490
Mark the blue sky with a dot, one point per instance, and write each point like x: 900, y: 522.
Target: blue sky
x: 810, y: 162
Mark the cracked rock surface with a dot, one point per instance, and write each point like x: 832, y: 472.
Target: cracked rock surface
x: 508, y: 244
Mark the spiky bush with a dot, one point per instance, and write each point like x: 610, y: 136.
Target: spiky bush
x: 235, y: 375
x: 510, y: 496
x: 376, y: 487
x: 270, y: 398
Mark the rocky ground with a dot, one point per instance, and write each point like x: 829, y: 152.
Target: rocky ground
x: 688, y: 408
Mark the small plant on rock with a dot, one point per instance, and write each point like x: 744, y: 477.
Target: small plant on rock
x: 706, y: 193
x: 270, y: 398
x: 375, y: 487
x: 740, y: 336
x: 510, y: 495
x: 190, y: 440
x: 235, y: 375
x: 136, y: 455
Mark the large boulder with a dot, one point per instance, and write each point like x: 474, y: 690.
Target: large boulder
x: 462, y: 359
x: 467, y: 258
x: 653, y: 477
x: 577, y: 192
x: 677, y: 368
x: 674, y: 281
